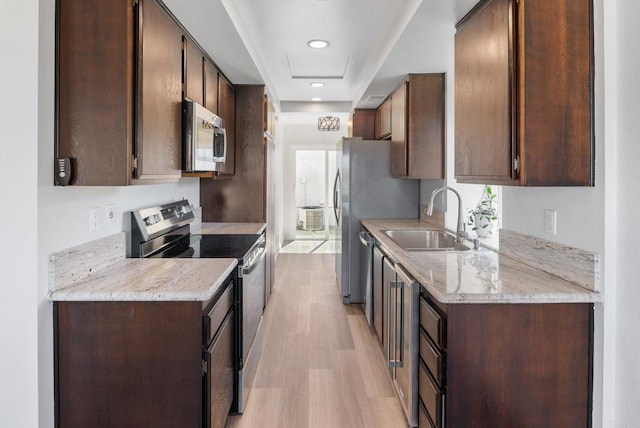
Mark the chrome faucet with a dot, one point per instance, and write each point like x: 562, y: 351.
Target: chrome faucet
x: 429, y: 210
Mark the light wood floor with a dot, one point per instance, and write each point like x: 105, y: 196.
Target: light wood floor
x: 321, y: 366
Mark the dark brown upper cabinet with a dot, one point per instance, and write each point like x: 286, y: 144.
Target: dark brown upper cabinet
x: 193, y: 71
x: 363, y: 124
x: 382, y: 122
x: 242, y: 197
x: 524, y: 94
x: 210, y: 86
x: 227, y: 111
x: 417, y: 127
x: 119, y: 91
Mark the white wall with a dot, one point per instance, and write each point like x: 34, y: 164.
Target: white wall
x: 63, y: 212
x: 627, y: 365
x: 19, y: 172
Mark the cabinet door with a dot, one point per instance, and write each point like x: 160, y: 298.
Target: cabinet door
x: 227, y: 111
x: 193, y: 76
x: 425, y: 122
x: 555, y: 59
x: 363, y: 124
x: 377, y: 293
x: 399, y: 153
x: 210, y: 87
x: 385, y: 119
x: 484, y: 91
x: 376, y: 124
x: 128, y: 364
x: 95, y: 99
x: 159, y: 131
x: 220, y: 375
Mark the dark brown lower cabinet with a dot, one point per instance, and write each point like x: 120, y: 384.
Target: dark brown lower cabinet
x: 507, y: 365
x: 128, y: 364
x: 144, y: 363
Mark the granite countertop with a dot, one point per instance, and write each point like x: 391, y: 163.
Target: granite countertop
x: 151, y: 280
x: 477, y: 276
x: 228, y: 228
x: 98, y: 270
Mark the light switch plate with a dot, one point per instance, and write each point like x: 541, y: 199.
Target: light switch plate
x: 550, y: 221
x: 94, y: 219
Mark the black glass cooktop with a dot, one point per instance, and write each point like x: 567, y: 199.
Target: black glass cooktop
x: 234, y: 246
x: 210, y: 246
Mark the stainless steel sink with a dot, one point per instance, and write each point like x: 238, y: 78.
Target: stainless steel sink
x: 425, y: 240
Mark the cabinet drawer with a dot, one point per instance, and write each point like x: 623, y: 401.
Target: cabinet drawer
x: 423, y: 417
x: 432, y: 357
x: 216, y: 314
x: 433, y: 323
x: 430, y: 395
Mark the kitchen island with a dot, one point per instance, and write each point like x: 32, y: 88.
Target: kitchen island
x: 499, y: 342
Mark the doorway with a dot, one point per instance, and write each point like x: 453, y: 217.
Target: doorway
x: 315, y: 225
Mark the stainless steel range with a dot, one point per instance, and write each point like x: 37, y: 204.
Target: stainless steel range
x: 163, y: 231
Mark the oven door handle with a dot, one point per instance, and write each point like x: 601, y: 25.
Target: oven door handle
x: 248, y: 268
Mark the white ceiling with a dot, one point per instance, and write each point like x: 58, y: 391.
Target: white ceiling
x: 373, y: 43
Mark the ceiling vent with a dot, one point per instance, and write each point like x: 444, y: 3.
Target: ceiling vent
x: 318, y: 66
x: 376, y: 98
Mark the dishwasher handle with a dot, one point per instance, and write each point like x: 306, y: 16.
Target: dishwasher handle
x: 365, y: 238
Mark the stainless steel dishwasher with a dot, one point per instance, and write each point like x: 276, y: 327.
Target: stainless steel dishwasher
x: 366, y: 258
x: 401, y: 337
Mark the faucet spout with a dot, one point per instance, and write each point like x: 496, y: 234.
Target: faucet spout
x: 429, y: 210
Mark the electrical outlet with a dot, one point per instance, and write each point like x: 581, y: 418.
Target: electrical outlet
x: 550, y: 221
x: 110, y: 215
x: 94, y: 219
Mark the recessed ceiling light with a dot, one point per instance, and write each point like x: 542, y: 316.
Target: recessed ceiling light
x: 318, y: 44
x: 317, y: 84
x: 316, y: 99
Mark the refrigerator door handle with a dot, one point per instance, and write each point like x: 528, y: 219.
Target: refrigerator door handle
x: 335, y: 197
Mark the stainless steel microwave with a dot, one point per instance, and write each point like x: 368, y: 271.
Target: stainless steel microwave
x: 205, y: 139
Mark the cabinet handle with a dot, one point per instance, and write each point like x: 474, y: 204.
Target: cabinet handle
x: 400, y: 332
x: 387, y: 333
x: 398, y: 321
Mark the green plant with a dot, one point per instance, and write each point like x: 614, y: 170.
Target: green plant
x: 484, y: 210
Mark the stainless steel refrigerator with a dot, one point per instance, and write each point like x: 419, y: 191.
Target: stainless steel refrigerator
x: 364, y: 188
